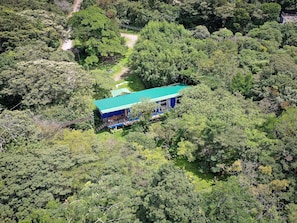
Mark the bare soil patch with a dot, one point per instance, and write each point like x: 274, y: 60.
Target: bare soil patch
x: 131, y: 39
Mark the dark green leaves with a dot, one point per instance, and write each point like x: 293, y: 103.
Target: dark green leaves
x: 43, y: 82
x: 165, y: 55
x: 95, y: 36
x: 231, y: 202
x: 31, y: 180
x: 170, y: 197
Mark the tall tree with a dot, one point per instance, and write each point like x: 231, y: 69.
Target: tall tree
x: 165, y: 54
x: 43, y: 82
x: 95, y: 36
x: 217, y: 128
x: 17, y: 129
x: 170, y: 197
x: 231, y: 202
x: 29, y: 180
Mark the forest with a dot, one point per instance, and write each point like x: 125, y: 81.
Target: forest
x: 226, y: 153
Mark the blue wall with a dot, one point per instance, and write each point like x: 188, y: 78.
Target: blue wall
x: 110, y: 114
x: 172, y: 102
x: 120, y: 112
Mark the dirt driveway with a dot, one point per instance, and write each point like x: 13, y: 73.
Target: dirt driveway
x: 131, y: 39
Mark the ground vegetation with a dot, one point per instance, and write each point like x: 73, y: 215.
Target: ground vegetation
x: 226, y: 153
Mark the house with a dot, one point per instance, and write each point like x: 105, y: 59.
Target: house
x: 115, y: 111
x: 288, y: 17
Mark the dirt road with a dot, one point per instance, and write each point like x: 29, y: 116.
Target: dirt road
x: 67, y: 43
x: 131, y: 40
x: 76, y: 5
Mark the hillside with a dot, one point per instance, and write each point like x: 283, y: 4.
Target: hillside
x: 226, y: 153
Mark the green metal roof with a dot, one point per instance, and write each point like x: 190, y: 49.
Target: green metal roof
x: 119, y: 92
x: 121, y: 102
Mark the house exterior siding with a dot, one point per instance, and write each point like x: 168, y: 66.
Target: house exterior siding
x: 115, y: 112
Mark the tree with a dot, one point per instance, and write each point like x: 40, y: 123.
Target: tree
x: 271, y: 11
x: 231, y: 202
x: 35, y: 51
x: 201, y: 32
x: 50, y: 25
x: 140, y: 139
x: 139, y: 13
x: 15, y: 30
x: 111, y: 199
x: 286, y: 131
x: 143, y: 111
x: 287, y: 4
x: 243, y: 84
x: 21, y: 28
x: 31, y: 5
x: 253, y: 61
x: 170, y: 197
x: 95, y: 36
x: 193, y: 13
x: 289, y: 34
x: 240, y: 20
x: 29, y: 180
x: 276, y: 84
x: 292, y: 210
x: 165, y: 54
x: 17, y: 129
x: 217, y: 128
x: 269, y: 34
x: 43, y: 82
x: 225, y: 12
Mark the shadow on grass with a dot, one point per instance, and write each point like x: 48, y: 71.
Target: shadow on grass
x: 134, y: 82
x: 202, y: 181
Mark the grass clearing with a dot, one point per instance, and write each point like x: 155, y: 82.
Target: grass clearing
x: 105, y: 75
x: 116, y: 76
x: 134, y: 83
x: 130, y: 31
x: 122, y: 63
x: 202, y: 181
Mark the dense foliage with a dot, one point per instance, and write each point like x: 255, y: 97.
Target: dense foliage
x: 226, y: 153
x: 33, y: 177
x: 96, y: 36
x: 238, y: 16
x: 260, y: 65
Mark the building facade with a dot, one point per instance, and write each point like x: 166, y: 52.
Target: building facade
x: 115, y: 111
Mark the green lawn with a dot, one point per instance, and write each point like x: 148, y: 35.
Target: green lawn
x: 202, y: 181
x: 106, y: 74
x: 122, y: 63
x: 134, y: 83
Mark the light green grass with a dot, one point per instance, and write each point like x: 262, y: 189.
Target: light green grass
x: 130, y: 31
x: 134, y: 82
x: 202, y: 181
x: 116, y: 134
x: 122, y: 63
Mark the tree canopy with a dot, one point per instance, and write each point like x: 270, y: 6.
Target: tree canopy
x: 95, y: 36
x: 43, y: 82
x: 225, y: 153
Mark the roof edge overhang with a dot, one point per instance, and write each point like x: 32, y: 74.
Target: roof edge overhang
x: 118, y: 108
